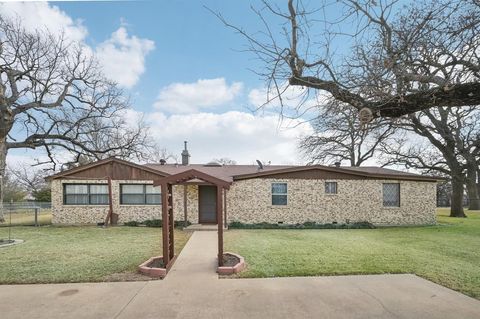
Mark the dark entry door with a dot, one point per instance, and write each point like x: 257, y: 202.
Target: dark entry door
x: 207, y: 202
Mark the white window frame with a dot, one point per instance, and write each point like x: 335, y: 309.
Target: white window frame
x: 145, y: 194
x: 279, y: 194
x: 336, y: 187
x: 88, y: 194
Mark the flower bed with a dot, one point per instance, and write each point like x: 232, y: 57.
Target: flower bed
x: 153, y: 267
x: 232, y: 264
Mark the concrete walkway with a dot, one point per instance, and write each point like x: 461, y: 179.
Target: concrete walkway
x: 192, y: 290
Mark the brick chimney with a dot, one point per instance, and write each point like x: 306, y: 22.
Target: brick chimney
x: 185, y: 155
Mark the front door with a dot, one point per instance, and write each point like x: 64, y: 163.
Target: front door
x: 207, y: 202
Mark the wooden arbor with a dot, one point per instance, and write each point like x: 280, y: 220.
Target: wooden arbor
x: 166, y: 184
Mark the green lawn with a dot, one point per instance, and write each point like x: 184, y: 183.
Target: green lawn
x: 78, y: 254
x: 448, y: 254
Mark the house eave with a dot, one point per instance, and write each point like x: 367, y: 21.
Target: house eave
x: 67, y: 173
x: 367, y: 175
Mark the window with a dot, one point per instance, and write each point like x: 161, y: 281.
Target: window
x: 152, y: 195
x: 132, y: 194
x: 98, y: 194
x: 279, y: 193
x: 391, y: 195
x: 85, y: 194
x: 330, y: 187
x: 140, y: 194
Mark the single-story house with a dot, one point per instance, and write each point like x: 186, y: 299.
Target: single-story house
x: 257, y: 193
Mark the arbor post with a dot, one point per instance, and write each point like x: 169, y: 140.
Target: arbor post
x: 165, y: 237
x: 220, y: 224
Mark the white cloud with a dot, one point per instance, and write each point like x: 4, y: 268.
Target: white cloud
x: 191, y: 97
x: 123, y: 57
x: 241, y: 136
x: 38, y: 15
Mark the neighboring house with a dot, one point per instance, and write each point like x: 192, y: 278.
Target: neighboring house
x: 273, y: 194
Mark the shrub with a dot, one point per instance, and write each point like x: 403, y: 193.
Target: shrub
x: 309, y: 224
x: 181, y: 223
x: 158, y: 223
x: 235, y: 224
x: 153, y: 223
x: 132, y: 223
x: 305, y: 225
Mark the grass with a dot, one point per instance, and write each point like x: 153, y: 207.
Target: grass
x: 78, y: 254
x: 448, y: 253
x: 27, y: 218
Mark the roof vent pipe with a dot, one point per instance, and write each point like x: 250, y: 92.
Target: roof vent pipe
x: 185, y: 155
x: 163, y: 161
x: 337, y: 164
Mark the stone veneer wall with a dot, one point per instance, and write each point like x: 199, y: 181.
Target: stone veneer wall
x: 249, y: 201
x: 92, y: 214
x: 192, y: 203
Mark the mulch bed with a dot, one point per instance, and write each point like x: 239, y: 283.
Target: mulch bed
x: 157, y: 263
x: 230, y: 260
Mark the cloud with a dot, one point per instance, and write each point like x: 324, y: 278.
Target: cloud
x: 192, y: 97
x: 241, y: 136
x: 123, y: 57
x: 38, y: 15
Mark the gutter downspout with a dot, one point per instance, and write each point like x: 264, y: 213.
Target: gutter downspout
x: 225, y: 208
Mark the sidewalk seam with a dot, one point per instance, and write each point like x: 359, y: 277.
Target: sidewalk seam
x: 130, y: 301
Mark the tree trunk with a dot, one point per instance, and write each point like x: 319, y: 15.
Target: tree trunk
x: 472, y: 189
x: 3, y: 164
x: 456, y: 208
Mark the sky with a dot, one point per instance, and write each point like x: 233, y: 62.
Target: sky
x: 184, y: 70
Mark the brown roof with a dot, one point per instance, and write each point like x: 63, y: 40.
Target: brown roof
x: 367, y: 172
x: 225, y: 172
x: 192, y: 175
x: 236, y: 172
x: 379, y: 170
x: 229, y: 173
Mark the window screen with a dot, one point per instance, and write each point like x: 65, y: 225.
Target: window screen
x: 85, y: 194
x: 76, y: 194
x: 140, y: 194
x: 330, y: 187
x: 152, y: 195
x: 391, y: 195
x: 98, y: 194
x: 279, y: 193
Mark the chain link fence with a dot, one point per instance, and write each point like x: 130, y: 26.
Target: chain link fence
x: 27, y: 214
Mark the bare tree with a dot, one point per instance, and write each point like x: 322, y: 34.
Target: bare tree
x: 337, y: 137
x: 32, y: 180
x: 114, y: 137
x: 13, y: 190
x: 402, y: 59
x: 450, y: 137
x: 155, y: 154
x: 54, y: 97
x: 225, y: 161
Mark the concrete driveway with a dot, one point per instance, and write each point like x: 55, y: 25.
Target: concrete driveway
x: 192, y: 290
